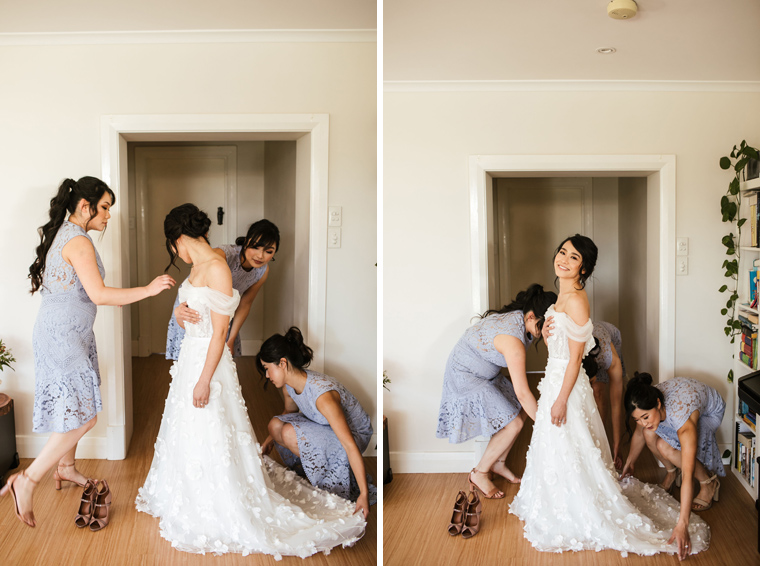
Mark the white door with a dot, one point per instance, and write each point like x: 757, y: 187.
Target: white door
x: 166, y: 177
x: 533, y: 215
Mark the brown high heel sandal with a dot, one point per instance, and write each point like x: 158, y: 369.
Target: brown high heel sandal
x: 87, y: 505
x: 495, y: 493
x: 10, y: 487
x: 100, y: 515
x: 457, y: 517
x: 472, y: 516
x: 59, y: 479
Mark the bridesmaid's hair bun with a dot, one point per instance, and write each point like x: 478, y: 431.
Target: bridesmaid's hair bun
x: 290, y: 346
x: 184, y: 220
x: 640, y: 378
x: 589, y: 363
x: 640, y: 394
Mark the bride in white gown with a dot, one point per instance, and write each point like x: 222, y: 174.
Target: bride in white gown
x: 571, y: 497
x: 209, y: 483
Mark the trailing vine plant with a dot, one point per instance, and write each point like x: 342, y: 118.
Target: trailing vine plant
x: 730, y: 208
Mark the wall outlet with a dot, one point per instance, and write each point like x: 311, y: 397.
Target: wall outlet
x: 682, y: 266
x: 333, y: 237
x: 335, y: 216
x: 682, y: 246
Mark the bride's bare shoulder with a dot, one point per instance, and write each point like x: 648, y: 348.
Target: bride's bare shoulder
x: 576, y: 307
x: 217, y: 275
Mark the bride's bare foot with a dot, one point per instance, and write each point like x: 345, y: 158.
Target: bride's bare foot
x: 501, y: 469
x: 485, y: 485
x: 670, y: 477
x: 68, y: 472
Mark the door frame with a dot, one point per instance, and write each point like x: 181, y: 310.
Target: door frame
x: 311, y: 132
x: 660, y: 171
x: 228, y: 154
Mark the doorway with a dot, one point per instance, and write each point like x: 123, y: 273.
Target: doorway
x: 308, y: 135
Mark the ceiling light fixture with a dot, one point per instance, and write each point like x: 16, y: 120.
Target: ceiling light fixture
x: 622, y: 9
x: 606, y: 50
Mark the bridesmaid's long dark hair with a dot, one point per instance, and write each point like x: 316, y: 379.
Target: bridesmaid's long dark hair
x: 69, y: 194
x: 533, y: 299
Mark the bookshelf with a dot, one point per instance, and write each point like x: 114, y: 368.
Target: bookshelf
x: 749, y: 254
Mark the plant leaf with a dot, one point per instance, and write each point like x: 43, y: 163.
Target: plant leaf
x: 723, y: 289
x: 724, y: 312
x: 740, y: 164
x: 725, y: 162
x: 741, y: 222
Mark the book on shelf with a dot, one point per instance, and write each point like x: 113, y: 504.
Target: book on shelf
x: 747, y: 462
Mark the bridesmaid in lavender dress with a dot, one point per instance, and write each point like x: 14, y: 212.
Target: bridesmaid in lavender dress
x: 323, y: 428
x: 477, y: 399
x: 248, y: 260
x: 677, y: 420
x: 69, y: 275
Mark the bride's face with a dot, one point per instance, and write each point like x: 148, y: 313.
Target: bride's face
x: 275, y: 372
x: 568, y: 262
x: 649, y: 420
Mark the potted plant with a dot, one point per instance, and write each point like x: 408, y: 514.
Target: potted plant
x: 8, y: 454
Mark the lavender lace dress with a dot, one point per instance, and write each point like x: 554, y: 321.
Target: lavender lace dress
x: 683, y: 396
x: 67, y: 393
x: 242, y: 280
x: 477, y: 399
x: 609, y: 337
x: 324, y: 461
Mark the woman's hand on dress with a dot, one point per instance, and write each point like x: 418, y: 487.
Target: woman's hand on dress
x: 184, y: 314
x: 627, y: 470
x: 559, y: 412
x: 546, y: 331
x: 201, y: 394
x: 683, y: 542
x: 160, y: 283
x: 616, y: 456
x: 267, y: 446
x: 231, y: 345
x: 363, y: 504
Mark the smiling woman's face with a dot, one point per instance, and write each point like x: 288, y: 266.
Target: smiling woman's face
x: 568, y: 262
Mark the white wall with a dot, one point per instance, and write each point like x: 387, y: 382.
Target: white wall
x: 51, y: 104
x: 606, y: 276
x: 427, y: 288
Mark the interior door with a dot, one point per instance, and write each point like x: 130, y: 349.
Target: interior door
x: 533, y: 215
x: 166, y: 177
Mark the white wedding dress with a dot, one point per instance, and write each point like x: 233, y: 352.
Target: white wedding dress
x: 570, y: 497
x: 210, y: 485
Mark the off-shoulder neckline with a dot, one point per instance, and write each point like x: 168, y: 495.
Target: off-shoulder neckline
x: 210, y: 289
x: 589, y: 321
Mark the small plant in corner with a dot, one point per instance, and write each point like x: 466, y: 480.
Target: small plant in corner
x: 6, y: 357
x: 386, y: 380
x: 730, y: 208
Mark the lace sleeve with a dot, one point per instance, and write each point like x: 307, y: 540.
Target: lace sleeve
x: 221, y: 303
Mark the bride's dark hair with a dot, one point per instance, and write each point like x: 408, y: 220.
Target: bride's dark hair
x: 184, y: 220
x: 589, y: 252
x: 290, y: 347
x: 69, y: 195
x: 533, y: 299
x: 590, y: 363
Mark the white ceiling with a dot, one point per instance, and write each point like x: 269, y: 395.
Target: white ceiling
x: 668, y: 40
x: 147, y: 15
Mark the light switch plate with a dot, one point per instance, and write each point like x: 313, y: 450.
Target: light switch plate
x: 335, y: 216
x: 682, y: 266
x: 333, y: 237
x: 682, y: 246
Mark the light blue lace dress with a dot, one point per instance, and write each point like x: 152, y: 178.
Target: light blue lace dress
x: 67, y: 393
x: 477, y: 399
x: 683, y: 396
x: 242, y: 280
x: 323, y: 458
x: 608, y: 336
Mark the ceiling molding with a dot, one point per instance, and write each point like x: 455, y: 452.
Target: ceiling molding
x: 568, y: 85
x: 192, y: 36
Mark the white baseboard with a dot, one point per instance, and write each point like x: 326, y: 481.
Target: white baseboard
x: 250, y: 347
x: 431, y: 462
x: 89, y: 448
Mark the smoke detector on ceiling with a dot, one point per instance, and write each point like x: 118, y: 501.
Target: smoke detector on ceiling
x: 622, y: 9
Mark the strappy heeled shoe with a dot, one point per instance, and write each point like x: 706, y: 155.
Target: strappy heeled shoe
x: 9, y: 487
x: 102, y: 507
x: 676, y: 481
x: 705, y: 505
x: 495, y: 493
x: 59, y: 479
x: 87, y: 505
x: 457, y: 517
x: 472, y: 516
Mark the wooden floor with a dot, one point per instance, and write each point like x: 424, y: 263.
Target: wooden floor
x: 132, y: 538
x: 417, y: 510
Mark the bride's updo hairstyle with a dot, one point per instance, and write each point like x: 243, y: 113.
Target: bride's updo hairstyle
x: 589, y: 252
x: 533, y: 299
x: 184, y: 220
x: 261, y: 234
x: 69, y: 195
x: 589, y: 363
x: 640, y: 394
x: 290, y: 347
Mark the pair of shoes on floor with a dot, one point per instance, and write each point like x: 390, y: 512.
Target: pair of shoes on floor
x: 466, y: 516
x: 705, y: 505
x: 10, y: 487
x: 94, y: 508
